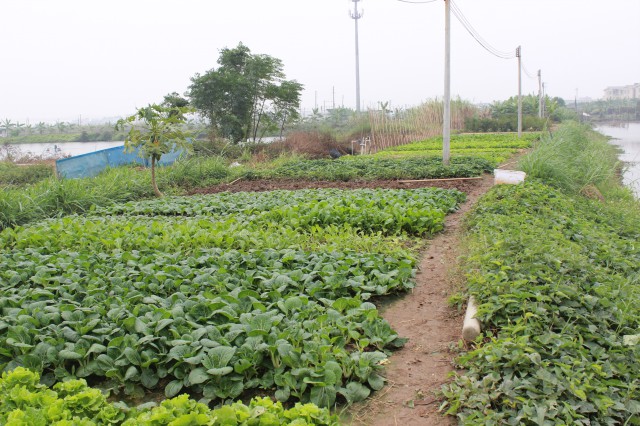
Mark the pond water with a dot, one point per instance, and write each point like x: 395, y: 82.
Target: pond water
x: 627, y: 137
x: 57, y: 149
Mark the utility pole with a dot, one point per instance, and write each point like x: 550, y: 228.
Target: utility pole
x: 334, y: 96
x: 356, y: 16
x: 575, y: 104
x: 539, y: 93
x: 544, y: 104
x: 446, y: 119
x: 519, y: 56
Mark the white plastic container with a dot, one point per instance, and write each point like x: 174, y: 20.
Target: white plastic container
x: 512, y: 177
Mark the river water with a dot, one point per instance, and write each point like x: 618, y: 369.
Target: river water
x: 57, y: 149
x: 627, y: 137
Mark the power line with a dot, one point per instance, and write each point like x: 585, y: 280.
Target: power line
x: 472, y: 31
x: 527, y: 73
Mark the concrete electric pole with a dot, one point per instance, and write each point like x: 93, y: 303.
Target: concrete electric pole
x: 539, y: 93
x: 519, y: 56
x: 355, y: 15
x: 446, y: 119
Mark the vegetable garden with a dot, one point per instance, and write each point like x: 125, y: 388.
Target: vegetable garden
x: 221, y: 296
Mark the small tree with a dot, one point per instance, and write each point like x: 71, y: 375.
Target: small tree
x: 156, y: 130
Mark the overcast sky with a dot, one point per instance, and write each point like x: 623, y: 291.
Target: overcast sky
x: 64, y: 59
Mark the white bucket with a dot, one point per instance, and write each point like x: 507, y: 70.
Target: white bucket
x: 508, y: 176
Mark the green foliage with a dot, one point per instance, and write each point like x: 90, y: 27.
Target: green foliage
x: 494, y: 148
x: 505, y: 123
x: 46, y: 138
x: 162, y: 131
x: 557, y: 282
x: 371, y: 168
x: 623, y: 110
x: 246, y: 95
x: 14, y: 175
x: 24, y: 401
x: 572, y: 158
x: 217, y: 295
x: 463, y: 142
x: 415, y: 212
x: 52, y: 197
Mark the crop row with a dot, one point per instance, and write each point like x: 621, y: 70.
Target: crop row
x: 557, y: 282
x: 372, y: 168
x: 185, y: 303
x: 218, y: 322
x: 370, y: 210
x: 473, y: 141
x: 24, y: 401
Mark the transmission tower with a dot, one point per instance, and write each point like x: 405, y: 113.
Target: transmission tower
x: 356, y: 15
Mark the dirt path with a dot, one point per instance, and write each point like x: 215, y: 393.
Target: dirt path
x: 420, y: 368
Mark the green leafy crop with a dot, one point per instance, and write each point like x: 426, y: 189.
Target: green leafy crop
x: 558, y: 283
x: 24, y: 401
x: 185, y: 294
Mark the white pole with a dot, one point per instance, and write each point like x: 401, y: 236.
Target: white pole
x: 539, y: 93
x: 356, y: 16
x: 519, y: 55
x: 446, y: 122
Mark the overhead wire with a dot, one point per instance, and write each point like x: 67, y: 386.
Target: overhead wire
x: 526, y: 71
x: 475, y: 34
x: 472, y: 31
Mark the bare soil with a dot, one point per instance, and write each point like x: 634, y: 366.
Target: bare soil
x: 271, y: 185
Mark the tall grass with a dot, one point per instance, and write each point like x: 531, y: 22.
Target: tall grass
x: 14, y: 175
x: 53, y: 197
x: 573, y: 158
x: 194, y: 172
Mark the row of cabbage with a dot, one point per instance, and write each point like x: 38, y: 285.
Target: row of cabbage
x: 492, y: 147
x: 216, y: 295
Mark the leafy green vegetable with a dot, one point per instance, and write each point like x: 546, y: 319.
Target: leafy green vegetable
x: 23, y: 401
x: 183, y: 300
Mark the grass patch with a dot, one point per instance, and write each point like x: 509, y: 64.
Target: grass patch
x: 573, y: 158
x: 12, y: 175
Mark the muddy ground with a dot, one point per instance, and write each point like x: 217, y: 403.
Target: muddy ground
x: 272, y: 185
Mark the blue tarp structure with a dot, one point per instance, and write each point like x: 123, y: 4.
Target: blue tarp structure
x: 92, y: 163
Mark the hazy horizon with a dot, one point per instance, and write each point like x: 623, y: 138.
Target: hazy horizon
x: 99, y: 59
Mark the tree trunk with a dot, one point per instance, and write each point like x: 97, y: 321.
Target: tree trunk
x: 153, y: 177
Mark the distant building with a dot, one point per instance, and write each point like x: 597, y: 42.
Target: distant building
x: 631, y: 91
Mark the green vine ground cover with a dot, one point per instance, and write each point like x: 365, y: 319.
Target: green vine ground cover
x: 216, y: 295
x: 557, y: 278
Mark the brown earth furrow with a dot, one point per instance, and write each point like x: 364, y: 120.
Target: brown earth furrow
x: 417, y: 371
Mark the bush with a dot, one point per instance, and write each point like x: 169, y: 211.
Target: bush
x: 310, y: 144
